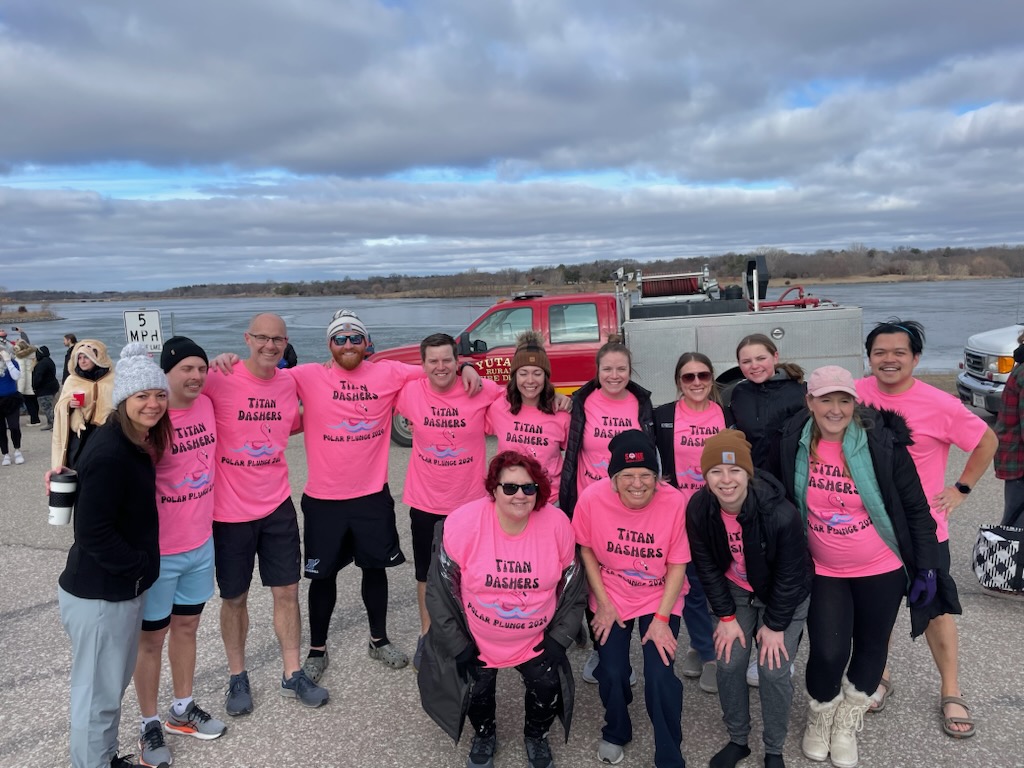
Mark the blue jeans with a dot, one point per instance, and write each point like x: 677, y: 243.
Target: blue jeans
x: 697, y: 617
x: 663, y: 692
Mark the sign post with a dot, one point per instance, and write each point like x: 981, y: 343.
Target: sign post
x: 144, y: 325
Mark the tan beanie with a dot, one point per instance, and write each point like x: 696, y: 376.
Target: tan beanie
x: 729, y: 446
x: 530, y: 351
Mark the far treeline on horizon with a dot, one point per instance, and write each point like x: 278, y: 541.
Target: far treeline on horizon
x: 847, y: 265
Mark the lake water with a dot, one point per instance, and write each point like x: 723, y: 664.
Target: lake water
x: 949, y: 311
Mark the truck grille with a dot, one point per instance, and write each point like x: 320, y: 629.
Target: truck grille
x: 975, y: 363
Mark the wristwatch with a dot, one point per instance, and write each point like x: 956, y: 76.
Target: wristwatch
x: 964, y: 489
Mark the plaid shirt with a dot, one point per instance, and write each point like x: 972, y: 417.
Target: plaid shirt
x: 1009, y: 460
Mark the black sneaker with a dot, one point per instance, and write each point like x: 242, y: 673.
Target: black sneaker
x: 300, y: 687
x: 481, y: 752
x: 538, y: 752
x: 125, y: 761
x: 238, y: 700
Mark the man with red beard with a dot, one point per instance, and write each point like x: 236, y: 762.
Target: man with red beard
x: 348, y: 511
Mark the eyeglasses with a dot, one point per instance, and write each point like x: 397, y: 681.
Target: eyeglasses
x: 259, y: 338
x: 643, y: 477
x: 689, y: 378
x: 510, y: 489
x: 354, y: 339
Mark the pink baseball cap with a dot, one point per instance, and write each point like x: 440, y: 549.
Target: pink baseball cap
x: 831, y: 378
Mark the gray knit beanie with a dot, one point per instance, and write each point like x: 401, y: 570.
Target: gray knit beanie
x: 136, y: 371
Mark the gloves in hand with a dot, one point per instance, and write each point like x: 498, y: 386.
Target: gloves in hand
x: 552, y: 648
x: 922, y: 590
x: 5, y: 355
x: 468, y: 662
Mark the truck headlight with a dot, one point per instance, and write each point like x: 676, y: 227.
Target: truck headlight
x: 1004, y: 364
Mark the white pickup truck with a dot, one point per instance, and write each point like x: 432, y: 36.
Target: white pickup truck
x: 988, y: 360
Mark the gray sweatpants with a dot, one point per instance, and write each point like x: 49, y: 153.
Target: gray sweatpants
x: 104, y: 645
x: 776, y: 685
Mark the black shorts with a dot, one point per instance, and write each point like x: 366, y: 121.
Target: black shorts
x: 336, y: 532
x: 422, y: 539
x: 947, y: 600
x: 275, y: 538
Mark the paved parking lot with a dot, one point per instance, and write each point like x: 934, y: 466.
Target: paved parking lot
x: 374, y: 717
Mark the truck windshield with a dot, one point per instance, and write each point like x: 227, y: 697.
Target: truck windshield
x: 500, y: 328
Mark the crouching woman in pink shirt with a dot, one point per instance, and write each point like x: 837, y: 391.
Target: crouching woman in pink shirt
x: 505, y: 589
x: 632, y: 535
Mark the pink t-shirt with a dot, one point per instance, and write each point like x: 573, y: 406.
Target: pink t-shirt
x: 347, y: 424
x: 633, y: 546
x: 254, y: 419
x: 737, y: 572
x: 184, y: 479
x: 692, y: 428
x: 840, y: 534
x: 533, y: 432
x: 937, y: 420
x: 508, y: 582
x: 605, y: 418
x: 449, y: 449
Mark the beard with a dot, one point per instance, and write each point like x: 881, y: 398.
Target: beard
x: 349, y: 361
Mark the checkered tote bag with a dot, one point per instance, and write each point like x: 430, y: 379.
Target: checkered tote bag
x: 999, y: 558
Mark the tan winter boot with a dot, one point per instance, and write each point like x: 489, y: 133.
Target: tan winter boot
x: 848, y: 721
x: 818, y: 733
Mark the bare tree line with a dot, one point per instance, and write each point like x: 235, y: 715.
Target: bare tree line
x: 857, y: 260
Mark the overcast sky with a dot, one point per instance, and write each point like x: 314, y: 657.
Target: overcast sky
x: 159, y: 143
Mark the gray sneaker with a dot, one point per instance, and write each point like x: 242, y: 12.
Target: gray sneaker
x: 609, y: 753
x: 691, y: 666
x: 238, y: 700
x: 591, y: 664
x: 195, y: 722
x: 154, y: 751
x: 388, y: 655
x: 315, y: 666
x: 709, y: 677
x: 481, y: 752
x: 300, y: 687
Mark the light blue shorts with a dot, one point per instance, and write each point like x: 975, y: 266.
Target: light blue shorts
x: 185, y: 579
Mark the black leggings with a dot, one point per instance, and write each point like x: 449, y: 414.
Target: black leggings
x: 323, y: 594
x: 860, y: 612
x: 543, y: 691
x: 12, y: 422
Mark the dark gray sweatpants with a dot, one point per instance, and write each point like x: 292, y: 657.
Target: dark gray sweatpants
x: 776, y: 685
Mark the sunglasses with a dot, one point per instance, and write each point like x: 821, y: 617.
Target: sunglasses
x: 689, y: 378
x: 356, y: 339
x: 509, y: 489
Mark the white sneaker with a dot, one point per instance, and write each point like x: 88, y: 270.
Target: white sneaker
x: 18, y: 458
x: 7, y: 460
x: 752, y: 677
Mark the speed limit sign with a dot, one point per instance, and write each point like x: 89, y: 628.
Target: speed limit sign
x: 144, y: 325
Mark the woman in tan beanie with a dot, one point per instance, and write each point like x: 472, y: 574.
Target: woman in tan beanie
x: 749, y: 552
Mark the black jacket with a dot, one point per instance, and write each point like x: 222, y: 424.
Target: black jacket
x: 778, y: 563
x: 760, y: 411
x: 567, y: 494
x: 888, y: 440
x: 444, y: 691
x: 116, y: 553
x: 44, y: 374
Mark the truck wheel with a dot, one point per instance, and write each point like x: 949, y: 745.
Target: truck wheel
x: 401, y: 431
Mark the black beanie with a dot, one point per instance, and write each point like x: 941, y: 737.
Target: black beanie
x: 632, y: 448
x: 176, y: 349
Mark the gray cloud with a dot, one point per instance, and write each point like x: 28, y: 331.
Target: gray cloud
x: 465, y: 134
